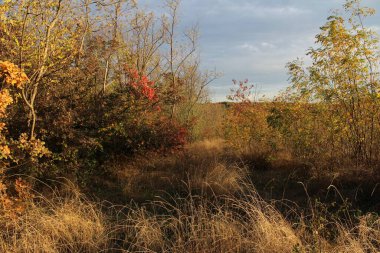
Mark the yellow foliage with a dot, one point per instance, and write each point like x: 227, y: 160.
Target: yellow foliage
x: 4, y: 151
x: 5, y: 100
x: 12, y: 75
x: 34, y: 147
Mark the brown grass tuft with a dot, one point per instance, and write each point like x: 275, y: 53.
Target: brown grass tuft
x: 234, y: 222
x: 69, y: 224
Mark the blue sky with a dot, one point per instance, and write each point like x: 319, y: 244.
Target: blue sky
x: 255, y: 39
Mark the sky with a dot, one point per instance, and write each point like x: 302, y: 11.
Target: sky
x: 254, y: 39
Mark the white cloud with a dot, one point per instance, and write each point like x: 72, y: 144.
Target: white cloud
x: 259, y: 10
x: 286, y: 10
x: 267, y: 45
x: 256, y: 47
x: 249, y: 47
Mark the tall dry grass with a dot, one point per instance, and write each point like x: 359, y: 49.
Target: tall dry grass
x: 60, y: 223
x: 195, y: 224
x: 219, y: 211
x: 237, y: 223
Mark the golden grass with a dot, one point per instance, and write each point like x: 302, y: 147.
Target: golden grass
x: 239, y: 222
x: 236, y: 224
x: 200, y: 165
x: 69, y: 224
x: 221, y: 179
x: 221, y: 212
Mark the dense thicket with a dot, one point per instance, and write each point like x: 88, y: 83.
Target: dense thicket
x: 105, y: 78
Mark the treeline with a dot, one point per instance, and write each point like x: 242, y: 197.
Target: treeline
x: 99, y: 79
x: 330, y: 115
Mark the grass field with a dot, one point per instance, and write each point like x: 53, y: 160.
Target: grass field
x: 206, y: 199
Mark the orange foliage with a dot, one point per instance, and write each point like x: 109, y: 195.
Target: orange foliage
x: 12, y: 75
x: 142, y: 84
x: 13, y: 205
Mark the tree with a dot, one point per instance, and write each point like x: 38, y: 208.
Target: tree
x: 342, y: 84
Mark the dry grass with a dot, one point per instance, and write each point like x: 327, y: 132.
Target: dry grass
x: 219, y: 179
x: 217, y: 210
x: 208, y: 147
x: 58, y: 224
x: 201, y: 165
x: 239, y: 222
x: 236, y: 224
x: 194, y: 224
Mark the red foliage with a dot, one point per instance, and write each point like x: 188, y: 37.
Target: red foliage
x: 141, y: 84
x: 170, y: 134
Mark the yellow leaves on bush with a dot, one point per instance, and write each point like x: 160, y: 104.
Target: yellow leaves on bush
x: 12, y: 75
x: 4, y: 151
x: 5, y: 100
x: 34, y: 147
x: 11, y: 206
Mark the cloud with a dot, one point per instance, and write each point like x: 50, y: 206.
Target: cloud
x: 267, y: 45
x: 256, y: 47
x: 249, y: 47
x: 254, y: 39
x: 275, y: 12
x: 258, y: 8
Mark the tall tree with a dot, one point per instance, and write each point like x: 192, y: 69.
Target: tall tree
x: 343, y: 81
